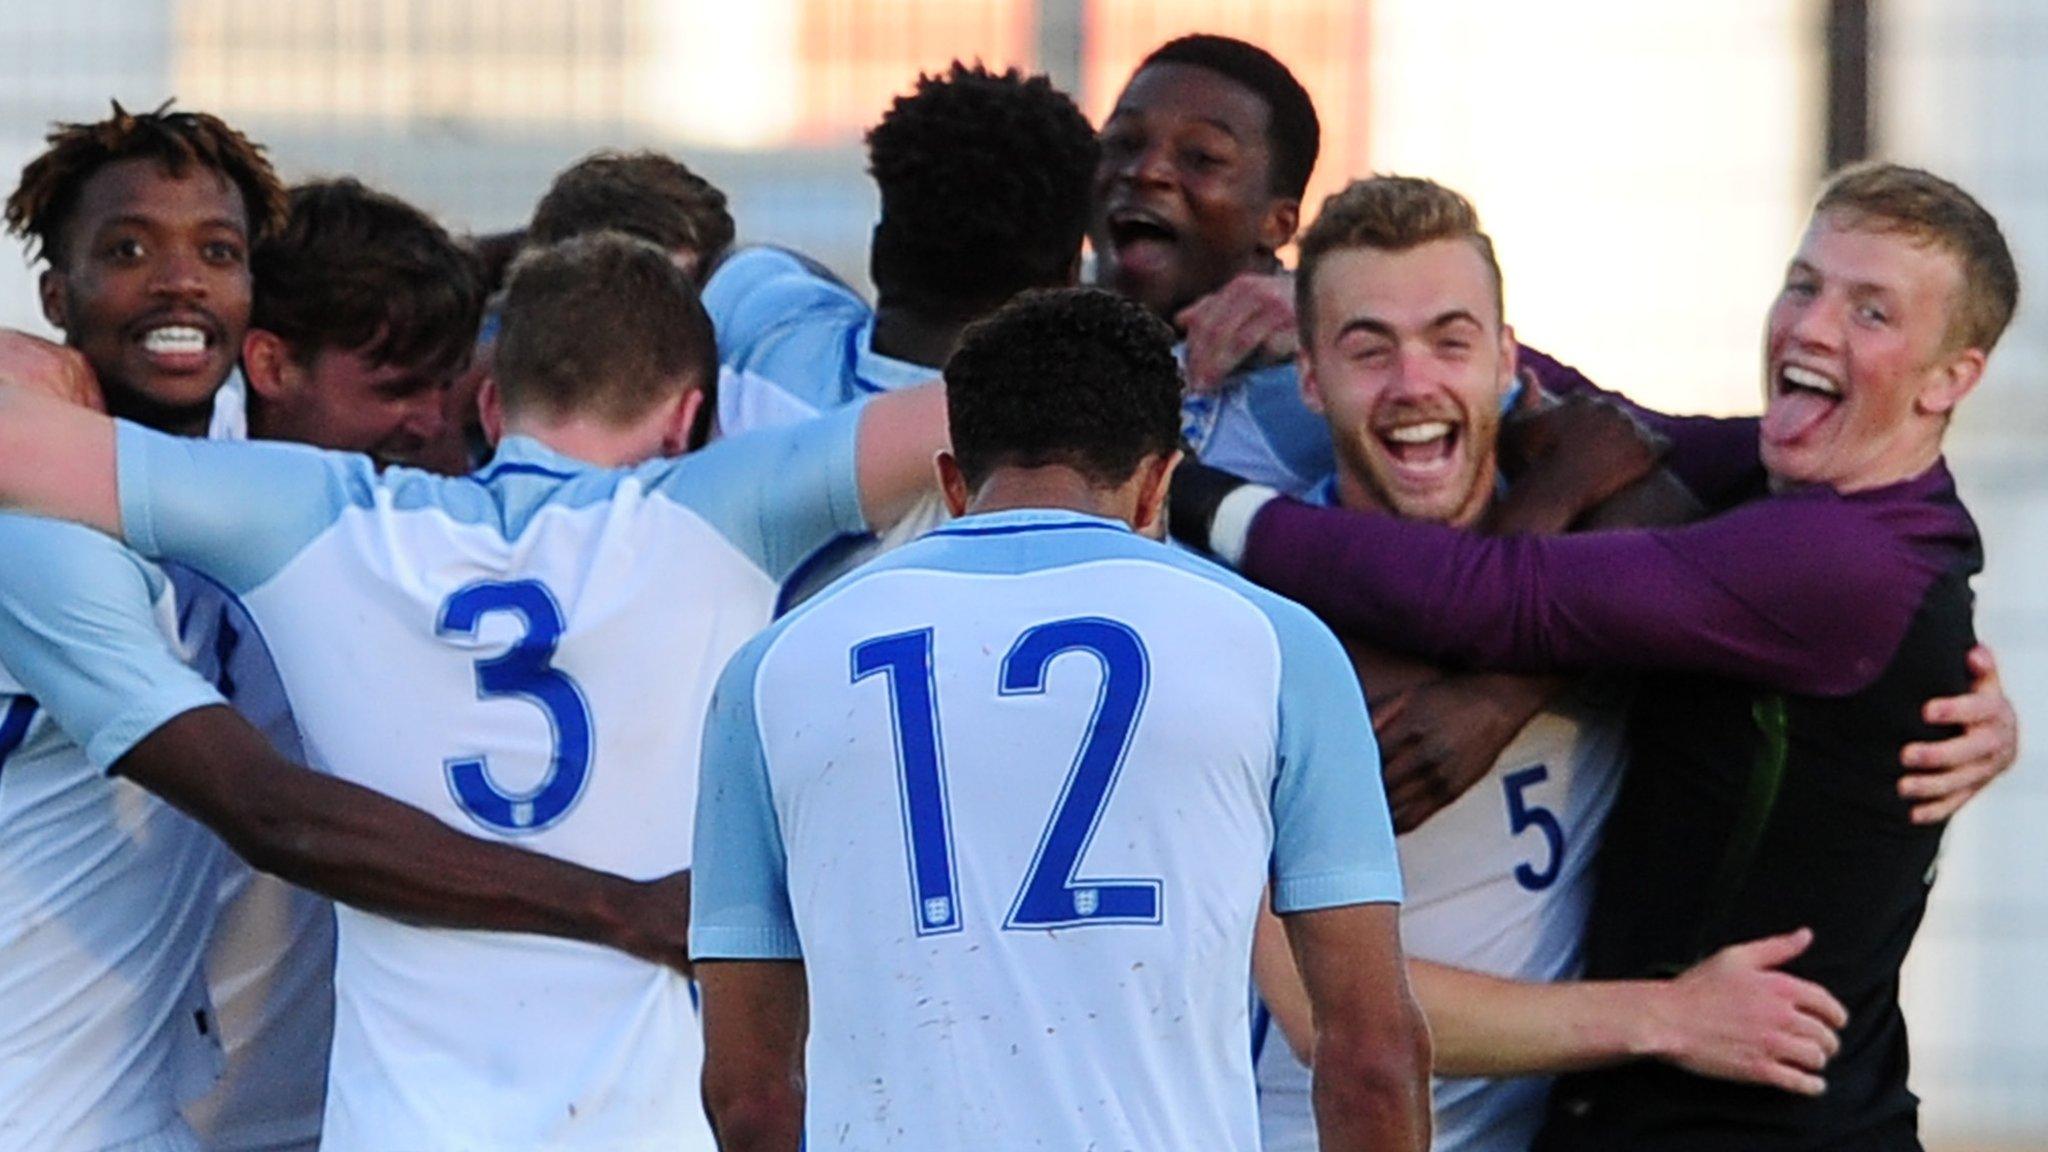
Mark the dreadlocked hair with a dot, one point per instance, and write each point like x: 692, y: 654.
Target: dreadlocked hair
x: 50, y: 184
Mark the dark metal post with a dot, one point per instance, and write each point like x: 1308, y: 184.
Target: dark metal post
x: 1848, y: 82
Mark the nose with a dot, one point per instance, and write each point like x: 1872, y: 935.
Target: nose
x: 1412, y: 374
x: 179, y: 274
x: 1148, y: 164
x: 1817, y: 322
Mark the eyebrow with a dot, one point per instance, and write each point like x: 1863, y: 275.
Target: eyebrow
x: 1854, y: 285
x: 1379, y: 327
x: 140, y: 221
x: 1121, y: 112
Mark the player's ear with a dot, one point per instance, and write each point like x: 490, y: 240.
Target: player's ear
x: 675, y: 436
x: 1278, y: 225
x: 50, y: 291
x: 952, y: 482
x: 1947, y: 385
x: 1155, y: 478
x: 490, y: 410
x: 266, y: 363
x: 1510, y: 358
x: 1311, y: 387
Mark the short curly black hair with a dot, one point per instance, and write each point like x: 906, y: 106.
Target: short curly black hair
x: 42, y: 203
x: 1072, y: 376
x: 650, y: 195
x: 356, y: 269
x: 984, y: 180
x: 1296, y: 134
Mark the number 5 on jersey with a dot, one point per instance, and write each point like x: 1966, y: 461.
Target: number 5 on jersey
x: 1051, y: 896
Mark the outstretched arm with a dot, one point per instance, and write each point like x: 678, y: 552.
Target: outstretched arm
x: 371, y: 852
x: 79, y: 631
x: 56, y: 457
x: 900, y: 434
x: 1733, y: 1016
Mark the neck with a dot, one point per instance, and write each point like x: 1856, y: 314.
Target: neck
x: 1051, y: 486
x: 133, y: 406
x: 901, y: 334
x: 592, y: 441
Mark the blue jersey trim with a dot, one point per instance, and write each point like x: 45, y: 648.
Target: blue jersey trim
x: 490, y: 472
x: 957, y: 529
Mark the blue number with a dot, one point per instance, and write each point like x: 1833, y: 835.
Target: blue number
x: 1523, y: 815
x: 1051, y: 896
x: 523, y: 671
x: 14, y: 726
x: 905, y: 659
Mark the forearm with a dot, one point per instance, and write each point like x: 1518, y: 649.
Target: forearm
x: 56, y: 459
x: 1488, y: 1026
x: 371, y: 852
x: 756, y: 1018
x: 1798, y: 594
x: 1371, y: 1090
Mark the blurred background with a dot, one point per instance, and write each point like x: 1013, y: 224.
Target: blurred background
x: 1643, y: 167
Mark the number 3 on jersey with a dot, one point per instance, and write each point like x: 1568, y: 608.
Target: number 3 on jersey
x: 1050, y: 896
x: 524, y: 671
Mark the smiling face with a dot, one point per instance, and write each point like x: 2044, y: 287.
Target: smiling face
x: 152, y: 284
x: 343, y: 400
x: 1183, y: 195
x: 1408, y: 361
x: 1858, y: 378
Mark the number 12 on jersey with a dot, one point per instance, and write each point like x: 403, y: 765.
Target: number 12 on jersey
x: 1051, y: 896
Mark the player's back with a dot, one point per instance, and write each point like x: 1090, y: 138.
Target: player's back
x: 526, y: 654
x: 1023, y: 772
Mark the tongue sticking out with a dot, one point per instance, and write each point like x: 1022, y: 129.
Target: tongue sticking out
x: 1794, y: 412
x: 1145, y: 256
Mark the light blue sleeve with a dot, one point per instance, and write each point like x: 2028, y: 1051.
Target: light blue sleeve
x: 237, y: 512
x: 1333, y: 841
x: 739, y: 894
x: 778, y: 494
x: 756, y: 289
x: 78, y: 629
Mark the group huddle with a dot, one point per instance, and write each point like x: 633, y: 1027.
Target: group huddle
x: 1222, y: 706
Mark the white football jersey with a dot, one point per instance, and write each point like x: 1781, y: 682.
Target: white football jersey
x: 1500, y: 881
x: 526, y: 654
x: 1012, y: 793
x: 105, y: 891
x: 270, y: 965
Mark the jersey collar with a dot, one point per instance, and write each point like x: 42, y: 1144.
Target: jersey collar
x: 1012, y: 519
x: 878, y: 373
x: 525, y: 454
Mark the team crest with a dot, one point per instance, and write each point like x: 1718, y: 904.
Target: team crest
x: 1086, y: 900
x: 937, y: 910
